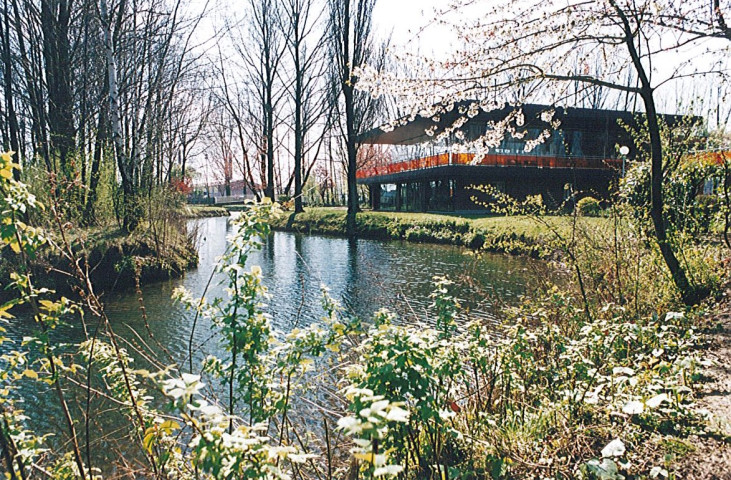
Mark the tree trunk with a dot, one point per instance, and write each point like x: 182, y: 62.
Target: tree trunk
x: 35, y: 98
x: 102, y: 133
x: 689, y: 294
x: 269, y: 191
x: 130, y: 209
x: 348, y: 94
x: 8, y: 80
x: 352, y: 163
x: 298, y: 140
x: 55, y: 19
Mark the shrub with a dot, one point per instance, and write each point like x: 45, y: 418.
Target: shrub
x: 474, y: 240
x: 589, y: 207
x: 706, y: 208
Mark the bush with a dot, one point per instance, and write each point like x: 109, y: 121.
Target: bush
x: 589, y: 207
x: 706, y: 208
x: 474, y: 240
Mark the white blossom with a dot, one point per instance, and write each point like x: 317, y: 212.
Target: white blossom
x: 615, y: 448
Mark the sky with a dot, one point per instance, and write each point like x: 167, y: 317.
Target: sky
x: 403, y: 19
x: 412, y: 27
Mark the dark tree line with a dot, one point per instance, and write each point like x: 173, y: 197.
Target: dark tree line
x: 87, y: 83
x: 121, y: 96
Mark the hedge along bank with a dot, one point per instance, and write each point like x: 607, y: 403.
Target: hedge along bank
x: 510, y: 234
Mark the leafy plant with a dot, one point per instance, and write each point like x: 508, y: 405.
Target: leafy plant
x: 554, y: 392
x: 589, y: 207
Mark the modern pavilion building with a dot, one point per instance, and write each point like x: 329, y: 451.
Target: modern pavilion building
x: 581, y: 155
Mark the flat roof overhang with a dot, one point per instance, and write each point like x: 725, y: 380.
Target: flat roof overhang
x: 412, y: 131
x: 483, y: 173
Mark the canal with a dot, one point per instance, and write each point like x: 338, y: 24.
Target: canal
x: 363, y: 275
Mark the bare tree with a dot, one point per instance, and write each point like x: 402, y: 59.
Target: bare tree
x: 27, y: 93
x: 306, y: 47
x: 189, y: 121
x: 55, y: 25
x: 351, y: 45
x: 237, y: 105
x: 146, y: 88
x: 223, y: 154
x: 703, y: 18
x: 11, y: 134
x: 126, y: 168
x: 261, y: 52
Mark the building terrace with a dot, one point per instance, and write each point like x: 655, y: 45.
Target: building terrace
x: 580, y: 155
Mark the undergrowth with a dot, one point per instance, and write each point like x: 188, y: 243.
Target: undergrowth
x: 581, y: 382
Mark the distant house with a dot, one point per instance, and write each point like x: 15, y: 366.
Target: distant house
x: 580, y: 153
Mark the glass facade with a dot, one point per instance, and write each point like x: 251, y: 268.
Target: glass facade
x: 563, y: 143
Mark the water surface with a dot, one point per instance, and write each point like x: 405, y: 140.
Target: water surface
x: 363, y: 275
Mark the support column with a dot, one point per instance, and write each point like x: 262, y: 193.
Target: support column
x: 451, y: 185
x: 460, y: 195
x: 375, y: 191
x: 398, y: 197
x: 424, y: 188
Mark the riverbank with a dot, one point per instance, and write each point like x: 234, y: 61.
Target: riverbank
x: 113, y: 258
x: 203, y: 211
x: 504, y: 234
x: 117, y: 259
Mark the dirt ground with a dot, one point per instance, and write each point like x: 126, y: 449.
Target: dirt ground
x: 711, y: 459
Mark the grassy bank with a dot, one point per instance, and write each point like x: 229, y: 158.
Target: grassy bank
x: 203, y: 211
x: 510, y: 234
x: 114, y: 258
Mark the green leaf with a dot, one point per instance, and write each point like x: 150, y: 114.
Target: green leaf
x: 149, y: 439
x: 4, y: 312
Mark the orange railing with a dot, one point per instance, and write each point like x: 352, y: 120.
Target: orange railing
x: 716, y: 157
x: 494, y: 160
